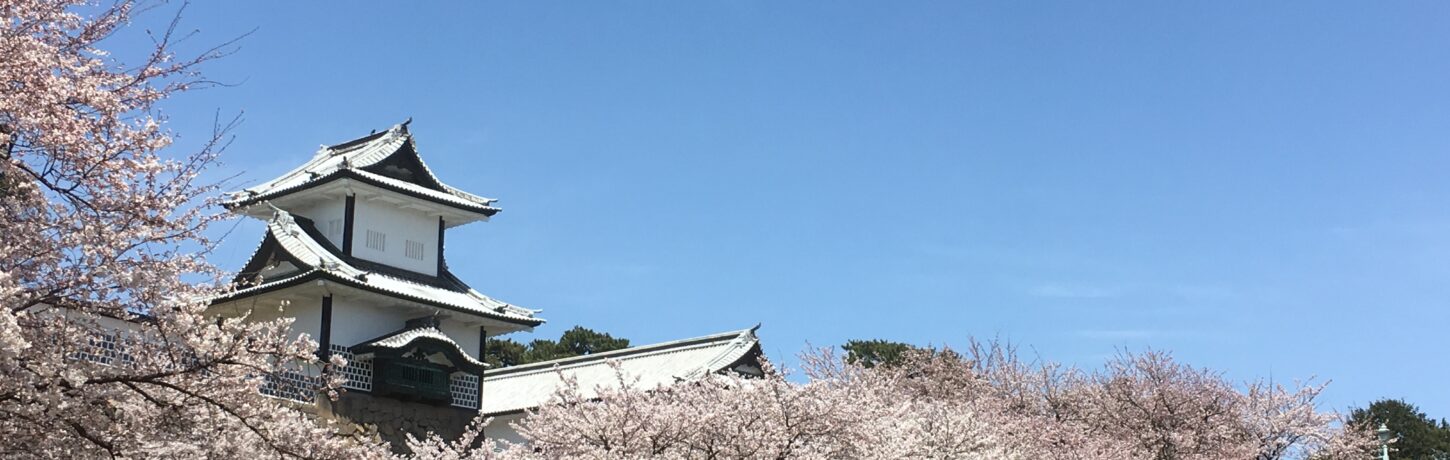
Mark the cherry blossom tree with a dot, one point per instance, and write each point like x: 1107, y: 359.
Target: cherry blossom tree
x: 99, y: 226
x: 984, y: 402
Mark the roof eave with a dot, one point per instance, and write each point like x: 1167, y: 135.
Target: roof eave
x: 315, y: 274
x: 241, y: 204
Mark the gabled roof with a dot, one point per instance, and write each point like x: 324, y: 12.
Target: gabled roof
x: 294, y: 241
x: 518, y: 388
x: 369, y: 159
x: 416, y: 335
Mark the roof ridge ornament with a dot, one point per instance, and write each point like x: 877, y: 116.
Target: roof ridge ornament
x: 400, y: 128
x: 278, y: 215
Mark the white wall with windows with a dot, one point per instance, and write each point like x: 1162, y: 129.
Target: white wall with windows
x: 391, y: 235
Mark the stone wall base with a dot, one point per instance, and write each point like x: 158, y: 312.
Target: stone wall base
x: 393, y: 419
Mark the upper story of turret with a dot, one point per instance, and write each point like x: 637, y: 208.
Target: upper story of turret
x: 366, y: 220
x: 372, y: 197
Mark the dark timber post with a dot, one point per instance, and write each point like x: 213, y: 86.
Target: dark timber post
x: 482, y: 348
x: 324, y: 341
x: 349, y: 207
x: 440, y: 258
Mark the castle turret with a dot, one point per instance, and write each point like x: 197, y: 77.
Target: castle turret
x: 354, y: 251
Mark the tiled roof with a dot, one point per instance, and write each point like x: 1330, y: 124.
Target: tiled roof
x: 319, y: 262
x: 517, y: 388
x: 349, y: 160
x: 404, y: 338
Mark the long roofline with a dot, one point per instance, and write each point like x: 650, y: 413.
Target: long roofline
x: 621, y: 353
x: 518, y: 389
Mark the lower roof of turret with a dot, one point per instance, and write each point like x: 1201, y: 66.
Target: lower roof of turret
x: 296, y: 241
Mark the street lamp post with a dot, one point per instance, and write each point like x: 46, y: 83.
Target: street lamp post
x: 1384, y: 433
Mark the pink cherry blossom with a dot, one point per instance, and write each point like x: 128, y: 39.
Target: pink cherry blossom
x: 97, y: 226
x: 101, y: 222
x: 984, y: 403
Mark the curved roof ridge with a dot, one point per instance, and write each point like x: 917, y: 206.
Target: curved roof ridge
x: 404, y: 337
x: 354, y: 160
x: 369, y: 149
x: 448, y: 188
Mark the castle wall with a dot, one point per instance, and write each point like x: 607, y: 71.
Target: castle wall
x: 327, y: 215
x: 465, y: 336
x: 395, y: 418
x: 306, y: 314
x: 500, y: 429
x: 401, y: 226
x: 354, y: 321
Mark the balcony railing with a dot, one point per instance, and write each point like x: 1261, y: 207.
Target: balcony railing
x: 410, y: 379
x: 462, y: 386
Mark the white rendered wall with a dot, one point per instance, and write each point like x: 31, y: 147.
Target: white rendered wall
x: 306, y: 314
x: 499, y: 429
x: 400, y: 225
x: 328, y: 216
x: 354, y: 321
x: 465, y: 336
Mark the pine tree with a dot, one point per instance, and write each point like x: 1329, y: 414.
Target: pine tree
x: 577, y: 341
x: 1419, y: 436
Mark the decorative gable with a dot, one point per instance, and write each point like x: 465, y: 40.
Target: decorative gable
x: 419, y: 362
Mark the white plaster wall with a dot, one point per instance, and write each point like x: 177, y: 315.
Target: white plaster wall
x: 112, y: 323
x: 322, y: 213
x: 306, y: 314
x: 400, y: 225
x: 105, y: 323
x: 354, y: 321
x: 466, y: 336
x: 500, y: 428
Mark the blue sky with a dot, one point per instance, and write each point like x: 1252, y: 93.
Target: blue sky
x: 1262, y: 188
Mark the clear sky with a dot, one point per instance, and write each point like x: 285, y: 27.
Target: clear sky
x: 1260, y: 187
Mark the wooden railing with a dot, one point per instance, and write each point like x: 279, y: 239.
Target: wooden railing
x: 410, y: 379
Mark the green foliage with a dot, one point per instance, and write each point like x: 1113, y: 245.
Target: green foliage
x: 872, y: 353
x: 504, y: 353
x: 1420, y: 437
x: 578, y: 341
x: 581, y: 341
